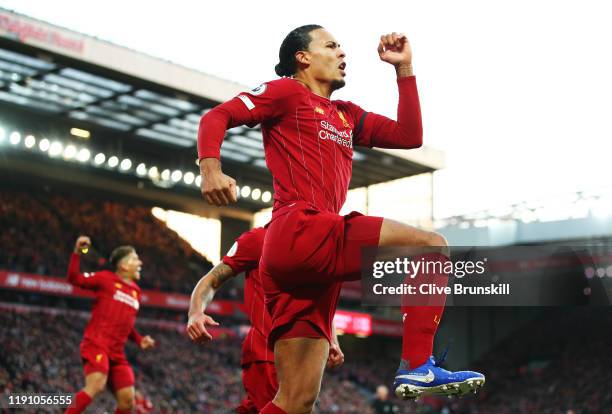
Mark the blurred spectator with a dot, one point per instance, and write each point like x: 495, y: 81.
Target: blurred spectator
x: 381, y: 403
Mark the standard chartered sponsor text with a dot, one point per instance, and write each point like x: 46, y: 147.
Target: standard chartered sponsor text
x: 332, y: 133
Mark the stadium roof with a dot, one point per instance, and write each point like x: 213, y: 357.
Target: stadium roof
x: 68, y: 77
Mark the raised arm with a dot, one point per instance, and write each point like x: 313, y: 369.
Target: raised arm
x: 75, y: 276
x: 202, y: 295
x: 374, y: 130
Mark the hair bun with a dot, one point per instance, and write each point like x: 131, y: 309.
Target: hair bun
x: 280, y: 70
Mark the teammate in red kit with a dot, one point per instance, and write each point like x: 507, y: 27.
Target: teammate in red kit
x: 258, y: 373
x: 111, y: 324
x: 309, y: 249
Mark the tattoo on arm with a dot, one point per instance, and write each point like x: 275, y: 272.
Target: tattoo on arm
x: 404, y: 70
x: 220, y: 274
x: 204, y: 291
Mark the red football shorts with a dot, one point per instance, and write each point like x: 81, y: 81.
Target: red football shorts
x: 259, y: 380
x: 116, y: 367
x: 307, y: 254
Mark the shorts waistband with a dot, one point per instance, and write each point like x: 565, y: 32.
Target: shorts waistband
x: 292, y: 206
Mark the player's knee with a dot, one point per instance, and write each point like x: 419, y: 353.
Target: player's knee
x: 308, y: 402
x: 437, y: 240
x: 305, y: 398
x: 302, y: 403
x: 94, y: 388
x: 125, y: 402
x: 298, y: 398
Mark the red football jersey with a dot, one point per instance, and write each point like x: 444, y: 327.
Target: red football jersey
x: 115, y: 308
x: 308, y: 139
x: 244, y: 257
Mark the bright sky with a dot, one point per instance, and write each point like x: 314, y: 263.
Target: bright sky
x: 518, y: 94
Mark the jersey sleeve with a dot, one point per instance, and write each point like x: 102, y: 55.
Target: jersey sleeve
x: 245, y: 253
x: 264, y: 103
x: 135, y: 336
x: 83, y: 280
x: 269, y: 100
x: 374, y: 130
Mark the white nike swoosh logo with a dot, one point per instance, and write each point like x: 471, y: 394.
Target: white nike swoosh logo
x: 420, y: 378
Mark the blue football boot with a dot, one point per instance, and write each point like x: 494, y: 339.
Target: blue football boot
x: 431, y: 379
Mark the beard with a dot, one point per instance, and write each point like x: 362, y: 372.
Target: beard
x: 337, y: 84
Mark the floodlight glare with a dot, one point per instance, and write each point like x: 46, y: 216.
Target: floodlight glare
x: 153, y: 172
x: 55, y: 149
x: 70, y: 152
x: 141, y: 169
x: 44, y: 145
x: 83, y: 155
x: 126, y: 164
x: 15, y: 138
x: 81, y: 133
x: 29, y: 141
x: 266, y: 197
x: 176, y: 176
x: 256, y: 194
x: 189, y: 177
x: 99, y: 158
x: 113, y: 161
x: 245, y: 191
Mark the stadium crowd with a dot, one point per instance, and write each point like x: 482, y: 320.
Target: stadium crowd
x: 38, y: 235
x: 41, y: 354
x: 558, y: 363
x: 542, y: 375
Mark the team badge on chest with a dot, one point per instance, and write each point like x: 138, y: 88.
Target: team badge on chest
x: 343, y: 119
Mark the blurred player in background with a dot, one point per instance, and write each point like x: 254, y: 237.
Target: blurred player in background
x: 111, y: 324
x: 258, y: 372
x: 309, y: 248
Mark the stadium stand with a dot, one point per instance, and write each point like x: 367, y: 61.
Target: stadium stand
x: 39, y: 233
x: 539, y: 369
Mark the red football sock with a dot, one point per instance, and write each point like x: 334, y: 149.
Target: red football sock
x: 421, y: 322
x: 270, y: 408
x: 420, y: 325
x: 80, y: 403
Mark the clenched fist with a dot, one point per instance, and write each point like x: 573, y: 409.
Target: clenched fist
x: 336, y: 356
x: 395, y: 49
x: 82, y: 245
x: 147, y: 342
x: 217, y: 188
